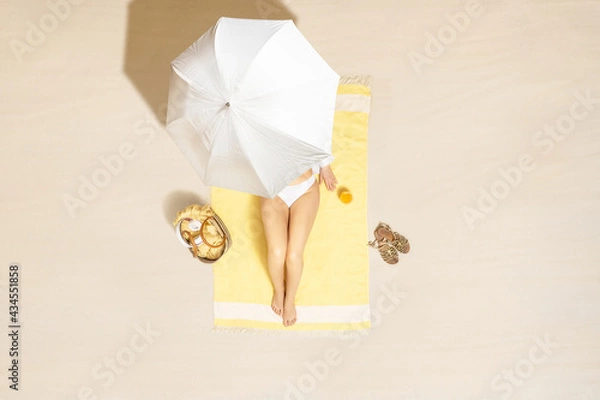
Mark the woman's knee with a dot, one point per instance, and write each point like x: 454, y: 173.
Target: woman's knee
x: 277, y: 253
x: 293, y: 256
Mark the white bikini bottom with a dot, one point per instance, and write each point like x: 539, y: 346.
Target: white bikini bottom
x: 291, y: 193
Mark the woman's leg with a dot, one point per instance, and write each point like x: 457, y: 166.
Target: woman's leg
x: 275, y: 215
x: 302, y: 216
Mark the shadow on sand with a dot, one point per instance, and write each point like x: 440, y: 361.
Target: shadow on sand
x: 158, y: 31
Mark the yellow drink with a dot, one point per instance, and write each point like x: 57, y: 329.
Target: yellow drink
x: 345, y: 196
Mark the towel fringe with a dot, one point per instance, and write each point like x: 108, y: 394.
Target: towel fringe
x: 286, y: 333
x: 364, y: 80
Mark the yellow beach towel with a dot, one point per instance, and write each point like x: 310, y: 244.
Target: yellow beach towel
x: 333, y: 296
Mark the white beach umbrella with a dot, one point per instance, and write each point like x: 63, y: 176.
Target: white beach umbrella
x: 251, y: 105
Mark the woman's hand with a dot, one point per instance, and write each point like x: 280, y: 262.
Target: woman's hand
x: 326, y: 175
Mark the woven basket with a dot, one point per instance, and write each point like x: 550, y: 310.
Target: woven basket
x: 203, y: 232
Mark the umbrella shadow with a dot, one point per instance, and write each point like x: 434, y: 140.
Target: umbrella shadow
x: 158, y: 31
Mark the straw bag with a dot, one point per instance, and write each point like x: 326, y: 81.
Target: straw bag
x: 201, y: 230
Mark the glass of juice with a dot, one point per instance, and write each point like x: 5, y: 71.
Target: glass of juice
x: 344, y: 195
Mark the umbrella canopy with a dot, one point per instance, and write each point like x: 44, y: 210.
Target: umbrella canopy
x: 251, y: 105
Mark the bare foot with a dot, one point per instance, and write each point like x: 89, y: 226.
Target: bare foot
x: 277, y: 303
x: 289, y: 313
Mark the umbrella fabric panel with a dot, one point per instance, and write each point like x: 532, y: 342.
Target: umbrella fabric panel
x: 297, y: 112
x: 191, y: 112
x: 277, y: 159
x: 229, y: 162
x: 236, y: 44
x: 286, y: 61
x: 198, y: 66
x: 190, y: 144
x: 217, y: 61
x: 292, y: 90
x: 186, y: 101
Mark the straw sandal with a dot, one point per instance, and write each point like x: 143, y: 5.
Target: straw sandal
x: 399, y: 242
x: 385, y: 239
x: 384, y: 242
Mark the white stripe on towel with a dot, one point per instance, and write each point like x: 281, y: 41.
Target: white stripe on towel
x: 353, y: 103
x: 323, y: 314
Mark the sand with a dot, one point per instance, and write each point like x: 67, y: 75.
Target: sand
x: 483, y: 151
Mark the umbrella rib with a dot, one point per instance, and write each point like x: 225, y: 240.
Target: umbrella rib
x: 244, y: 127
x: 219, y: 72
x: 192, y: 85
